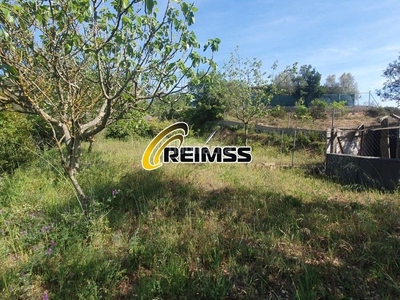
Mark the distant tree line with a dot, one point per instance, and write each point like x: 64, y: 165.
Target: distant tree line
x: 305, y: 83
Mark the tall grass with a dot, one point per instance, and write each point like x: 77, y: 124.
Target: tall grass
x: 203, y: 231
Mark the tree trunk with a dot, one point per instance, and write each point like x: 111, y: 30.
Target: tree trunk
x: 246, y: 130
x: 71, y: 167
x: 78, y: 189
x: 91, y: 142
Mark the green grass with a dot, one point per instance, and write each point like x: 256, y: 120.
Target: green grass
x: 205, y: 231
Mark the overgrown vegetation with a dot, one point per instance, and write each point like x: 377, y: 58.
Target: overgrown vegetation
x: 381, y: 111
x: 16, y: 144
x: 83, y: 65
x: 318, y: 108
x: 278, y: 112
x: 194, y: 231
x: 131, y: 125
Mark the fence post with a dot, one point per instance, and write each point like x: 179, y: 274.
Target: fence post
x: 282, y: 145
x: 294, y: 146
x: 384, y: 144
x: 332, y: 130
x: 397, y: 135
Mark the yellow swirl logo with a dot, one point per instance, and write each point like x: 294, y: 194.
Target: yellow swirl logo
x: 159, y: 150
x: 152, y: 162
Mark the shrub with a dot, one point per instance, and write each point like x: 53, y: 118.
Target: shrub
x: 374, y: 112
x: 278, y: 112
x: 318, y: 109
x: 301, y: 110
x: 41, y: 132
x: 132, y: 124
x: 16, y: 143
x: 155, y: 127
x: 339, y: 106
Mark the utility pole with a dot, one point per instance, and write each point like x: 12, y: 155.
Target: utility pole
x: 369, y: 98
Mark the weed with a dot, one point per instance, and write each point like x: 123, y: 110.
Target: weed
x: 208, y: 231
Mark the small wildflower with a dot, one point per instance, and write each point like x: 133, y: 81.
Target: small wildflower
x: 45, y: 296
x: 49, y: 251
x: 53, y: 243
x: 45, y: 229
x: 23, y: 233
x: 23, y: 274
x: 10, y: 288
x: 114, y: 193
x: 32, y: 215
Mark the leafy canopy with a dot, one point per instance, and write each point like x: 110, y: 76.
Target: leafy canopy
x: 391, y: 88
x: 82, y: 65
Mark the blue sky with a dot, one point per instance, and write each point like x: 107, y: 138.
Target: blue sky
x: 357, y: 36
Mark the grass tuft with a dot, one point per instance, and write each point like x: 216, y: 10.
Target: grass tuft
x: 206, y: 231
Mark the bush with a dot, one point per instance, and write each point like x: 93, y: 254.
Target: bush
x: 374, y: 112
x: 16, y: 143
x: 318, y: 109
x: 41, y: 132
x: 301, y: 110
x: 278, y: 112
x: 339, y: 106
x: 155, y: 127
x: 132, y: 124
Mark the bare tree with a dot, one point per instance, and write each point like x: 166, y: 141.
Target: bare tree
x: 81, y: 65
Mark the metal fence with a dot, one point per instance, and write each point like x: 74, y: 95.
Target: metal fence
x: 290, y: 140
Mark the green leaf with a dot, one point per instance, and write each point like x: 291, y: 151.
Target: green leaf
x: 4, y: 34
x: 213, y: 44
x: 10, y: 69
x: 184, y: 8
x: 67, y: 48
x: 5, y: 16
x: 149, y: 6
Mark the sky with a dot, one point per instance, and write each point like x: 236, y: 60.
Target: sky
x: 360, y: 37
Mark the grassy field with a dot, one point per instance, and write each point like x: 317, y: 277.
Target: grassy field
x: 204, y: 231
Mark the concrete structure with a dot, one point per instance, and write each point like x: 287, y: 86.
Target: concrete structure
x: 367, y: 156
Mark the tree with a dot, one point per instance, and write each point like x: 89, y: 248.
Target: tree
x: 308, y: 84
x: 284, y: 81
x: 391, y: 87
x: 247, y: 89
x: 82, y: 65
x: 331, y: 86
x: 345, y: 85
x: 170, y: 108
x: 209, y: 101
x: 348, y: 84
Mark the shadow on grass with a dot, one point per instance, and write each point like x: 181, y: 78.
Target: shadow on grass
x: 279, y: 244
x: 163, y: 236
